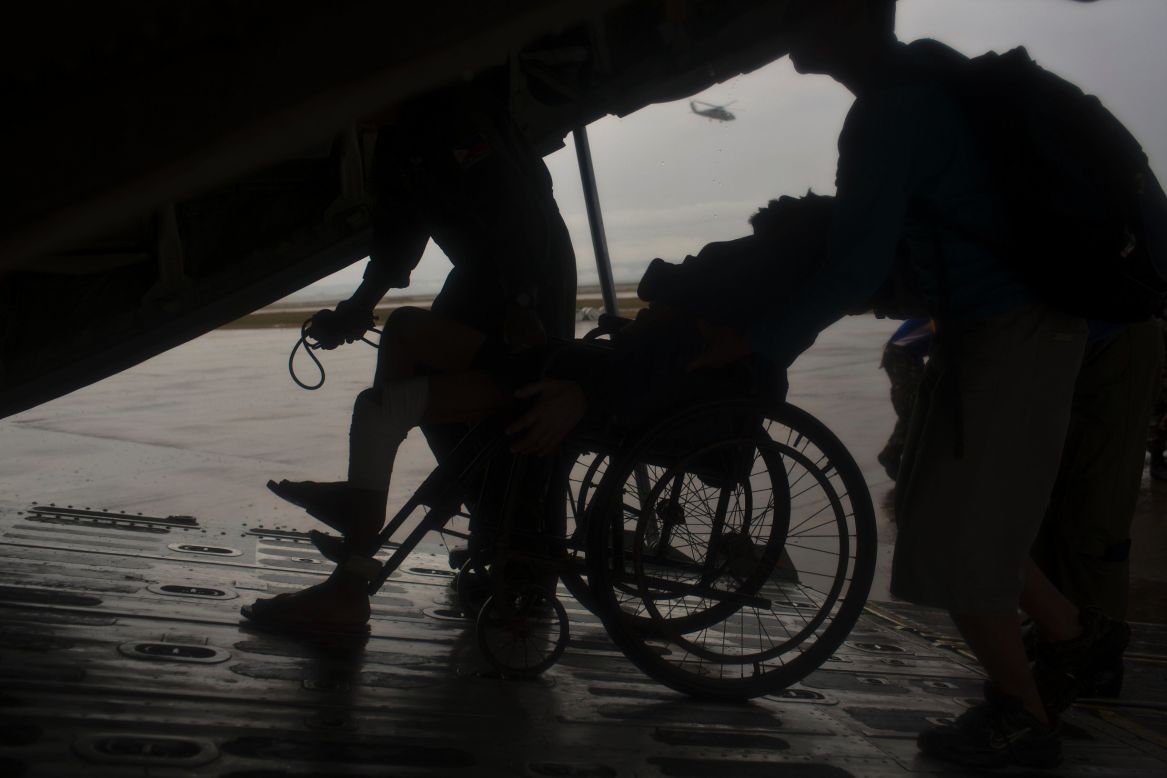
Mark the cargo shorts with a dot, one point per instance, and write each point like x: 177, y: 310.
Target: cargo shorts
x: 981, y: 458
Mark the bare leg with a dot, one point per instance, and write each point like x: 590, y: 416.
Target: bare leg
x: 996, y: 642
x: 1056, y: 616
x: 415, y: 343
x: 423, y: 373
x: 415, y: 339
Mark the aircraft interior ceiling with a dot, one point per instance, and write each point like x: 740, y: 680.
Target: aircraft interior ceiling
x: 185, y: 164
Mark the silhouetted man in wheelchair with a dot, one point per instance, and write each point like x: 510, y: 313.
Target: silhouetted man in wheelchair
x: 452, y: 166
x: 432, y: 369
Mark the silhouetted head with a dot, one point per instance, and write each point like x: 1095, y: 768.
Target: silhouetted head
x: 840, y: 38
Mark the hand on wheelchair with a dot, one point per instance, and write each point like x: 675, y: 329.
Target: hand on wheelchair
x: 558, y: 407
x: 346, y: 324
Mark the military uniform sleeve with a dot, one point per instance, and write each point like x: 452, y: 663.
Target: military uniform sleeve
x: 876, y: 177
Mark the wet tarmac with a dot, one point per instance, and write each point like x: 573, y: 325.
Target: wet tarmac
x: 123, y: 654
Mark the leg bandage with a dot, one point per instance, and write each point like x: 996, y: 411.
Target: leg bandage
x: 381, y: 420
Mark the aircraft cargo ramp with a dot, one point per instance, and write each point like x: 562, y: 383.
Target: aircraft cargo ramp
x: 122, y: 654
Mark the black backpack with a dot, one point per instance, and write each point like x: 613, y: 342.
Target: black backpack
x: 1088, y: 219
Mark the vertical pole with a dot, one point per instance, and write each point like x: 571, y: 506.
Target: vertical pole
x: 587, y: 177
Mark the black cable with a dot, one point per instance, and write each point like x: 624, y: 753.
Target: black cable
x: 309, y: 347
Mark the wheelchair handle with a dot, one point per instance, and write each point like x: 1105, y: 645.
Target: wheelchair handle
x: 610, y: 322
x: 607, y: 324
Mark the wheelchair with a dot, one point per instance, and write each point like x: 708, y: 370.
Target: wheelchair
x: 728, y: 548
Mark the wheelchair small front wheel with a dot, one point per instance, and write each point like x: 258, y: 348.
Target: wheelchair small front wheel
x: 522, y: 631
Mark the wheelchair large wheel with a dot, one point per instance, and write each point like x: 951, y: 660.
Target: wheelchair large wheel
x: 573, y: 489
x: 747, y: 560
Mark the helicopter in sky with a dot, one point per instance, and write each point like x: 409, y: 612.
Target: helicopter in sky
x: 711, y: 111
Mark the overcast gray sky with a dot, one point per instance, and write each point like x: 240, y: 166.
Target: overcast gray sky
x: 671, y: 181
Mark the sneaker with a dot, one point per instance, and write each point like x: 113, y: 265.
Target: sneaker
x: 998, y: 732
x: 1088, y: 665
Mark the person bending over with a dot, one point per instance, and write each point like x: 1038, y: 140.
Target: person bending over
x: 987, y: 431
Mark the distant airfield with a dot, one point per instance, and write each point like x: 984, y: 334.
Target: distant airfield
x: 293, y: 314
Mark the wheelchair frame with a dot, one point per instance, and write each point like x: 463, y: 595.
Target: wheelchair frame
x: 645, y: 634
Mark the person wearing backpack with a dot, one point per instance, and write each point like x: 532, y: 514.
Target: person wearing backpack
x: 918, y: 178
x: 1084, y: 543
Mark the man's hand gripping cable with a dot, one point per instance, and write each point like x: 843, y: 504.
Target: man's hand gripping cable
x: 312, y: 337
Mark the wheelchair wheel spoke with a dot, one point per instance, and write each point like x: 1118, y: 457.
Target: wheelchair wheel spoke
x: 745, y: 550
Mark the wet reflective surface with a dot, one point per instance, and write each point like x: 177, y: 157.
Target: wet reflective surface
x: 122, y: 653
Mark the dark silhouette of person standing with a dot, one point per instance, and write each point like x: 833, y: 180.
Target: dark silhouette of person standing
x: 984, y: 444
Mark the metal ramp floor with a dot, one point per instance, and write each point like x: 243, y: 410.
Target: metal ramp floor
x: 122, y: 654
